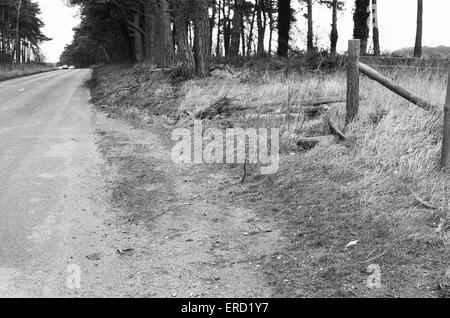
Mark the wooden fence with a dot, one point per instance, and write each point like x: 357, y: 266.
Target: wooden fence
x: 355, y: 67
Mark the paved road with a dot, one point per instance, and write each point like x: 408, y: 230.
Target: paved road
x: 46, y: 139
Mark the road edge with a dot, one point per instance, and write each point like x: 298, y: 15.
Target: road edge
x: 27, y: 74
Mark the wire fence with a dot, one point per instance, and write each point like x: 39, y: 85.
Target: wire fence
x: 413, y: 66
x: 407, y: 61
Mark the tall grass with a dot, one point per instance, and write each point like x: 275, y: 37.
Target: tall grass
x: 392, y: 144
x: 10, y: 71
x: 340, y: 190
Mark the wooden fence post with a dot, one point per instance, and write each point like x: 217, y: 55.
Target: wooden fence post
x: 445, y: 157
x: 352, y: 80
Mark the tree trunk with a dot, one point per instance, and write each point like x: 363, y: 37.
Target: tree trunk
x: 190, y: 33
x: 19, y: 7
x: 361, y: 18
x: 310, y: 40
x: 243, y: 34
x: 418, y: 46
x: 261, y: 28
x: 153, y: 35
x: 138, y: 48
x: 250, y: 33
x: 376, y: 32
x: 148, y: 40
x: 334, y: 30
x: 164, y: 34
x: 2, y: 36
x: 236, y: 30
x: 184, y: 49
x: 271, y: 25
x: 201, y: 25
x: 284, y: 27
x: 226, y: 26
x: 212, y: 23
x: 219, y: 23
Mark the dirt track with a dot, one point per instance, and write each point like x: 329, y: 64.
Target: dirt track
x: 189, y: 238
x: 83, y: 191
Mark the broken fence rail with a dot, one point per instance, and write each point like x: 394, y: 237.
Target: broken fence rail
x: 355, y: 67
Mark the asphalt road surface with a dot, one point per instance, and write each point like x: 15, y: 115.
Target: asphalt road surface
x: 46, y: 139
x: 77, y: 188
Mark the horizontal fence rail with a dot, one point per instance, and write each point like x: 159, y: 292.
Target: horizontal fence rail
x: 395, y: 87
x: 355, y: 66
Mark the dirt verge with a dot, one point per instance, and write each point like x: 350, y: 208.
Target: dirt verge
x: 334, y: 219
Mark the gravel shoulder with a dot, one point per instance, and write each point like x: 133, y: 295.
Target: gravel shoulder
x: 164, y: 230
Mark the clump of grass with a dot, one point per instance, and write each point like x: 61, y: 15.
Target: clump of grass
x: 136, y: 89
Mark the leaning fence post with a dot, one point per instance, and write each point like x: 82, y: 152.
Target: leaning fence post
x: 352, y: 80
x: 445, y: 157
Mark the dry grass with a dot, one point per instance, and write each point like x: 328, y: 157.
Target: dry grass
x: 10, y: 71
x: 339, y: 191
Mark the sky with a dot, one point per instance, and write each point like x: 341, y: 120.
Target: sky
x: 397, y: 19
x: 397, y: 22
x: 59, y: 21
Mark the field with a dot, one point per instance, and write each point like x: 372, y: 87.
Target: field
x: 379, y: 189
x: 13, y: 71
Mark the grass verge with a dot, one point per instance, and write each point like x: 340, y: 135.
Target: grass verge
x: 358, y: 190
x: 8, y: 72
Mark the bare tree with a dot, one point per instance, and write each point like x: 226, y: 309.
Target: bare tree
x: 418, y: 46
x: 310, y: 40
x: 261, y: 27
x: 361, y: 17
x: 250, y: 33
x: 212, y: 22
x: 284, y: 26
x: 201, y: 30
x: 376, y: 32
x: 164, y: 36
x: 336, y: 6
x: 236, y: 30
x: 270, y: 10
x: 184, y: 51
x: 18, y: 6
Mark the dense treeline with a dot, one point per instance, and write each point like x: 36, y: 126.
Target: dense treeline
x: 184, y: 31
x: 20, y: 31
x: 190, y: 32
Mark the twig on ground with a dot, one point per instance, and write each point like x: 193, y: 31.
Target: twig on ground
x: 376, y: 257
x: 282, y: 212
x: 224, y: 106
x: 421, y: 201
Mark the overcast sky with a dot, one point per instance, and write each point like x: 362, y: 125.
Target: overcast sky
x: 397, y: 19
x: 59, y: 21
x: 397, y: 24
